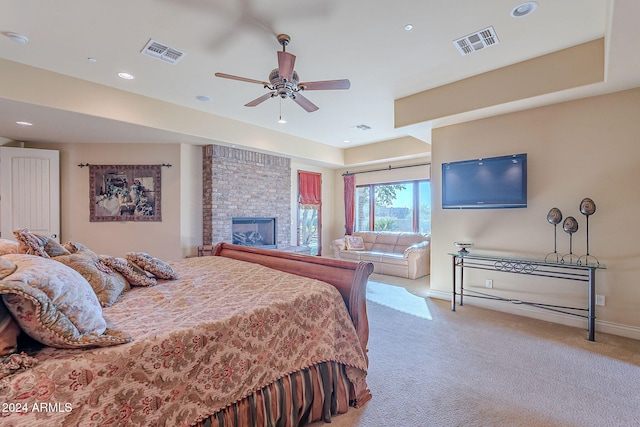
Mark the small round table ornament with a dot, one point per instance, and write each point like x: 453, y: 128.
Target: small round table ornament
x: 587, y: 208
x: 554, y: 216
x: 463, y: 246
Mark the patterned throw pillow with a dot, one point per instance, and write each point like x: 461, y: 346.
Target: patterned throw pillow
x: 106, y: 283
x: 8, y: 247
x: 9, y: 365
x: 6, y: 267
x: 37, y: 244
x: 354, y: 243
x: 135, y: 275
x: 151, y: 264
x: 55, y: 305
x: 74, y: 247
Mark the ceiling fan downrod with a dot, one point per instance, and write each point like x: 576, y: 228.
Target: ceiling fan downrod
x: 284, y: 40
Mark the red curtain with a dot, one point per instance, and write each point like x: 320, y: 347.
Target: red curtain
x: 309, y: 190
x: 349, y: 205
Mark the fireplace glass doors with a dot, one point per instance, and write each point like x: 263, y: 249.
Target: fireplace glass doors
x: 260, y: 232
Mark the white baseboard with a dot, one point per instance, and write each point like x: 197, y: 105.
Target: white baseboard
x: 535, y: 313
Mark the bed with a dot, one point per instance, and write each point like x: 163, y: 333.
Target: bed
x: 246, y: 336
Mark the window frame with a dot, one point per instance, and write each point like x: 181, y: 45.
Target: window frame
x: 416, y: 202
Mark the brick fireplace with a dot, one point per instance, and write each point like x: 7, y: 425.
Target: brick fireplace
x: 246, y: 185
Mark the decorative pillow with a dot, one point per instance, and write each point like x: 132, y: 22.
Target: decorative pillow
x: 16, y: 363
x: 354, y: 243
x: 74, y: 247
x: 37, y: 244
x: 106, y: 283
x: 8, y: 246
x: 153, y: 265
x: 55, y: 305
x: 6, y: 268
x: 134, y: 274
x: 9, y: 331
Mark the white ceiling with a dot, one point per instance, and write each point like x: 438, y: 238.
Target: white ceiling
x: 362, y: 40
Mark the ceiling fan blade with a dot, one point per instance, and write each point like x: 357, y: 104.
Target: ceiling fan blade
x: 286, y: 61
x: 242, y: 79
x: 259, y: 100
x: 326, y: 85
x: 305, y: 103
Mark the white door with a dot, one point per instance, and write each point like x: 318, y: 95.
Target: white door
x: 30, y: 194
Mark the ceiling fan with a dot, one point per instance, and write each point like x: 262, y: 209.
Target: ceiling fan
x: 285, y: 83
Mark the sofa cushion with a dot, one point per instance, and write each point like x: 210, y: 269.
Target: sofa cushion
x: 352, y: 255
x: 369, y: 238
x: 408, y: 239
x: 396, y: 259
x: 371, y: 256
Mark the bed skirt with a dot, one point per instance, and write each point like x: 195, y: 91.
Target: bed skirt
x: 306, y: 396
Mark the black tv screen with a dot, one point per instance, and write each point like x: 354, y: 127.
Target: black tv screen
x: 488, y: 183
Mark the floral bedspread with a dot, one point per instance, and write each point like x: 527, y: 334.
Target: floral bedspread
x: 224, y: 329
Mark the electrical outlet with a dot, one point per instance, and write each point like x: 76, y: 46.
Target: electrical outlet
x: 489, y: 284
x: 599, y: 299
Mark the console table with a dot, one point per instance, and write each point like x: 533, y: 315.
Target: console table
x: 558, y: 270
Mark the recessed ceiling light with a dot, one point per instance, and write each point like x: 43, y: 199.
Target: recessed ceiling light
x: 204, y: 98
x: 408, y: 27
x: 16, y: 37
x: 126, y: 76
x: 346, y: 141
x: 524, y: 9
x: 91, y: 59
x: 23, y: 123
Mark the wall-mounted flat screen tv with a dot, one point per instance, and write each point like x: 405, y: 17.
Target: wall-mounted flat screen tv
x: 488, y: 183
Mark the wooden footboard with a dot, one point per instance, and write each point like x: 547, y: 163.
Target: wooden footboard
x: 349, y: 278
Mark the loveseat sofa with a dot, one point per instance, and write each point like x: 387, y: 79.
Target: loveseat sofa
x: 393, y: 253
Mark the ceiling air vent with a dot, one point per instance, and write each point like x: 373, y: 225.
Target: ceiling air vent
x: 476, y: 41
x: 163, y: 52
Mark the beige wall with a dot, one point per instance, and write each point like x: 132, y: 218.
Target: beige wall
x: 586, y: 148
x: 177, y: 235
x: 180, y: 231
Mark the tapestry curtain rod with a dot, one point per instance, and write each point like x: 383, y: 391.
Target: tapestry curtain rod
x: 84, y: 165
x: 387, y: 169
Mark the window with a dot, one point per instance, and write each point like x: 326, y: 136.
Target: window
x: 309, y: 211
x: 402, y: 206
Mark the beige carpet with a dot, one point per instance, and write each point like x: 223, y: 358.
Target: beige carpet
x: 478, y: 367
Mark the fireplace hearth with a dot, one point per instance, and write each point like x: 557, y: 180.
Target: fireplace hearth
x: 259, y: 232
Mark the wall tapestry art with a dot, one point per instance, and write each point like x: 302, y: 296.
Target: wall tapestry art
x: 124, y: 193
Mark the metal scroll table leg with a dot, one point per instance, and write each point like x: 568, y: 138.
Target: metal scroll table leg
x: 453, y: 296
x: 461, y: 263
x: 592, y: 304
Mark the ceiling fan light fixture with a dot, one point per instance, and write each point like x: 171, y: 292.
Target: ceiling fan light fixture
x: 285, y: 82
